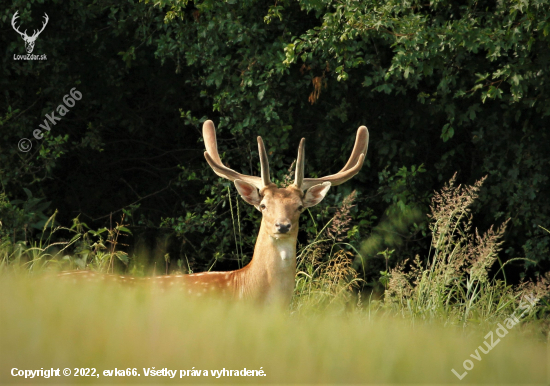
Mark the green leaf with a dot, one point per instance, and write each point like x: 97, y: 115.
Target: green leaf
x: 447, y: 132
x: 124, y: 229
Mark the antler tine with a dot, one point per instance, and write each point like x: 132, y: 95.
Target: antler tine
x: 264, y: 163
x: 352, y: 167
x: 213, y: 158
x: 210, y: 142
x: 300, y: 161
x: 43, y: 25
x: 360, y: 147
x: 13, y: 19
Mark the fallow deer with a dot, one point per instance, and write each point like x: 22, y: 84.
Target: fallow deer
x: 269, y: 277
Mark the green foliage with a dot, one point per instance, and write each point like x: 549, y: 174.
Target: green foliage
x: 442, y: 86
x: 19, y: 218
x: 79, y: 248
x: 475, y: 70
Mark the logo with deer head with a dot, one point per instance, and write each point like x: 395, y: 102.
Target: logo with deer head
x: 29, y: 40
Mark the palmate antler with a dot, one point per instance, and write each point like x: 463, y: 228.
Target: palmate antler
x: 351, y: 168
x: 213, y: 158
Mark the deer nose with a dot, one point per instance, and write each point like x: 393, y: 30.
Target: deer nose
x: 282, y: 227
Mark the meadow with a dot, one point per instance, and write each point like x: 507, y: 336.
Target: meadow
x: 440, y: 313
x: 50, y: 324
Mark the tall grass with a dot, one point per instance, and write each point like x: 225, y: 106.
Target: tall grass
x: 46, y: 323
x: 454, y: 283
x: 325, y: 275
x: 78, y: 248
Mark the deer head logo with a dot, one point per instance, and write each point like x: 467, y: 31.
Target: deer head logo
x: 29, y: 40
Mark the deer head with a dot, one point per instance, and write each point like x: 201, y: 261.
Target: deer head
x: 281, y: 207
x: 29, y: 40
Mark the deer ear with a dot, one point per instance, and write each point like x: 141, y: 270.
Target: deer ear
x: 315, y: 194
x: 248, y: 192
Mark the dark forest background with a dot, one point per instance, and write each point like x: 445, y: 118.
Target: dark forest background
x: 444, y: 87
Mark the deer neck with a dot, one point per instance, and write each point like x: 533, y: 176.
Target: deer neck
x: 269, y: 276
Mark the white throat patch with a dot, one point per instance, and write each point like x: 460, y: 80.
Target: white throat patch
x: 286, y: 250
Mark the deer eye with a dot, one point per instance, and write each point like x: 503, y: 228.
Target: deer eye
x: 262, y: 206
x: 300, y: 208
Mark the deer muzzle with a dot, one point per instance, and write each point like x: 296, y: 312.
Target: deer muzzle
x: 283, y: 226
